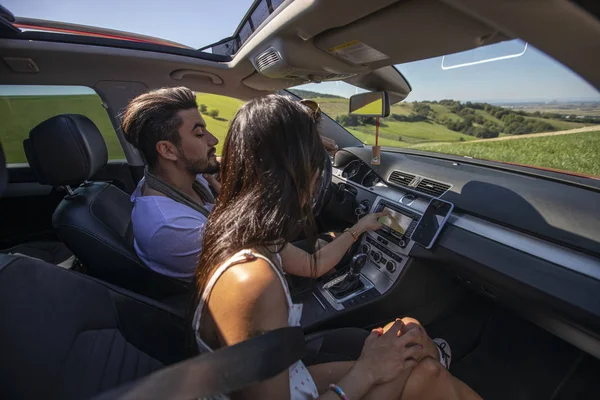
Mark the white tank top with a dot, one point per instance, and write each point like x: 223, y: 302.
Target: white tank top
x: 302, y: 385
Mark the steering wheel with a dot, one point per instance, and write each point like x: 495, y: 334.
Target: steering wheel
x: 325, y: 190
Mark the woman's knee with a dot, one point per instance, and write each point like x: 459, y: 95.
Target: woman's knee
x: 429, y: 370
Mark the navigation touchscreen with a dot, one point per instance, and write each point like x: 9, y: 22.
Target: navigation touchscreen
x: 396, y: 221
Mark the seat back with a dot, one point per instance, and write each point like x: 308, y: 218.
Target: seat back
x: 66, y: 336
x: 94, y: 220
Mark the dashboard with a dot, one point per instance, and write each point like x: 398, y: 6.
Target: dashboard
x: 537, y: 254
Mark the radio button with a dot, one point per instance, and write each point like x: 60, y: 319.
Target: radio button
x: 376, y: 255
x: 390, y: 266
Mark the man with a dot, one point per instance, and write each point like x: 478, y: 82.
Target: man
x: 172, y: 202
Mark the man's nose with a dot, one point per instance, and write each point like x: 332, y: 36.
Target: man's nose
x: 212, y: 140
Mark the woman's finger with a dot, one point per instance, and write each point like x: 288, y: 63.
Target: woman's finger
x: 395, y: 328
x: 417, y: 352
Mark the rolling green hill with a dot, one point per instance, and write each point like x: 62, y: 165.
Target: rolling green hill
x: 429, y: 129
x: 444, y: 121
x: 577, y: 152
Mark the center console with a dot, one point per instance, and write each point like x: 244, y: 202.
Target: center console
x: 382, y: 256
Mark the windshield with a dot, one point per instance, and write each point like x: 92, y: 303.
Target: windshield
x: 192, y: 23
x: 506, y: 102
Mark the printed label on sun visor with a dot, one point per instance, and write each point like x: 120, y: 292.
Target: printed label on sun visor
x: 357, y: 52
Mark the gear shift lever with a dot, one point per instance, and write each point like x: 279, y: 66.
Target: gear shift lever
x: 357, y: 263
x: 351, y: 282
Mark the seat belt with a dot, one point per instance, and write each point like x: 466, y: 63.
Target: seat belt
x: 224, y: 371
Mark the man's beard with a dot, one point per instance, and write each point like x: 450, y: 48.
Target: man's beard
x: 195, y: 167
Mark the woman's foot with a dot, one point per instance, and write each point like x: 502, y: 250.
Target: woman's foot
x: 445, y: 352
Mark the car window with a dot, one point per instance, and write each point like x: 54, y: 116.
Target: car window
x: 505, y: 102
x: 218, y: 111
x: 22, y: 107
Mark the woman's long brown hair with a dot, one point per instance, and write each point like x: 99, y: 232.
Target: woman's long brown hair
x: 271, y: 155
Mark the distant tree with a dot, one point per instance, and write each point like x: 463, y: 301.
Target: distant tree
x: 203, y: 108
x: 480, y: 120
x: 461, y: 139
x: 348, y: 120
x: 483, y: 133
x: 213, y: 113
x: 421, y: 109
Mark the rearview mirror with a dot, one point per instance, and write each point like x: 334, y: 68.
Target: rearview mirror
x: 371, y: 104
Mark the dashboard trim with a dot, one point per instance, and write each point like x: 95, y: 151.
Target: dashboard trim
x: 554, y: 253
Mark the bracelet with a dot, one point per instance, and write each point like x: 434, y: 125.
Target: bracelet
x: 338, y: 390
x: 353, y: 233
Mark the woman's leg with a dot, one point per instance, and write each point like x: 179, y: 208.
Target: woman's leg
x: 324, y: 374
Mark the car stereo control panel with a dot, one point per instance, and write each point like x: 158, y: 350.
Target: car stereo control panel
x: 386, y: 253
x: 387, y: 249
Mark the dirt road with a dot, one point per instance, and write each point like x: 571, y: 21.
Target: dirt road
x: 567, y: 132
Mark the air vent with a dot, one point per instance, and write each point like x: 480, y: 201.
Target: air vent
x: 401, y: 178
x: 432, y: 188
x: 267, y: 59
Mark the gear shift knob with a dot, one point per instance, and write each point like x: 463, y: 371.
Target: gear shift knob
x: 358, y: 262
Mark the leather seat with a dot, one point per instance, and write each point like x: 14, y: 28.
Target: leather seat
x: 68, y: 336
x: 94, y: 219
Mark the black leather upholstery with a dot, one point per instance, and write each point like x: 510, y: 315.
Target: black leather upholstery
x: 68, y: 149
x: 66, y: 336
x: 95, y: 222
x: 51, y: 251
x: 96, y: 225
x: 33, y: 163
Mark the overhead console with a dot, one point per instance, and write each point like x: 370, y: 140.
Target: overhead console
x: 323, y: 40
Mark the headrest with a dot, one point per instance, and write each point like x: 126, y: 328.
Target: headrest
x: 66, y: 150
x: 3, y: 171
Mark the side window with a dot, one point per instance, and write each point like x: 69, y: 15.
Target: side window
x: 22, y: 107
x: 217, y: 111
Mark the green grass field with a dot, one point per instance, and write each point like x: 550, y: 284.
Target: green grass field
x: 577, y: 152
x: 572, y: 152
x: 227, y: 107
x: 560, y: 125
x: 19, y: 114
x: 414, y: 132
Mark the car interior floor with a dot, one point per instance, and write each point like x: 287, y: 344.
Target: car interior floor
x: 503, y: 356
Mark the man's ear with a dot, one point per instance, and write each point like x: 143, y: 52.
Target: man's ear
x: 167, y: 150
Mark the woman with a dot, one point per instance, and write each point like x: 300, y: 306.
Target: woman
x: 272, y: 161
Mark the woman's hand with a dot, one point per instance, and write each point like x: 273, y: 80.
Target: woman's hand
x: 330, y: 145
x: 369, y: 222
x: 421, y: 337
x: 213, y: 181
x: 386, y: 355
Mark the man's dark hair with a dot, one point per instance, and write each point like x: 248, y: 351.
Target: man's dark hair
x: 152, y: 117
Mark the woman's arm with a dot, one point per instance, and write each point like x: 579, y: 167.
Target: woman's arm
x: 248, y: 300
x: 297, y: 261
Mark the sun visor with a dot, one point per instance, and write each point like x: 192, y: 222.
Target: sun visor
x: 386, y: 78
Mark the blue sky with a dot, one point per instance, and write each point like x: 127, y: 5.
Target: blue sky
x: 530, y: 77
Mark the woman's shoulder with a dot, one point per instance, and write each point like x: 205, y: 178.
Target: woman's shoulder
x: 251, y: 279
x: 248, y: 297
